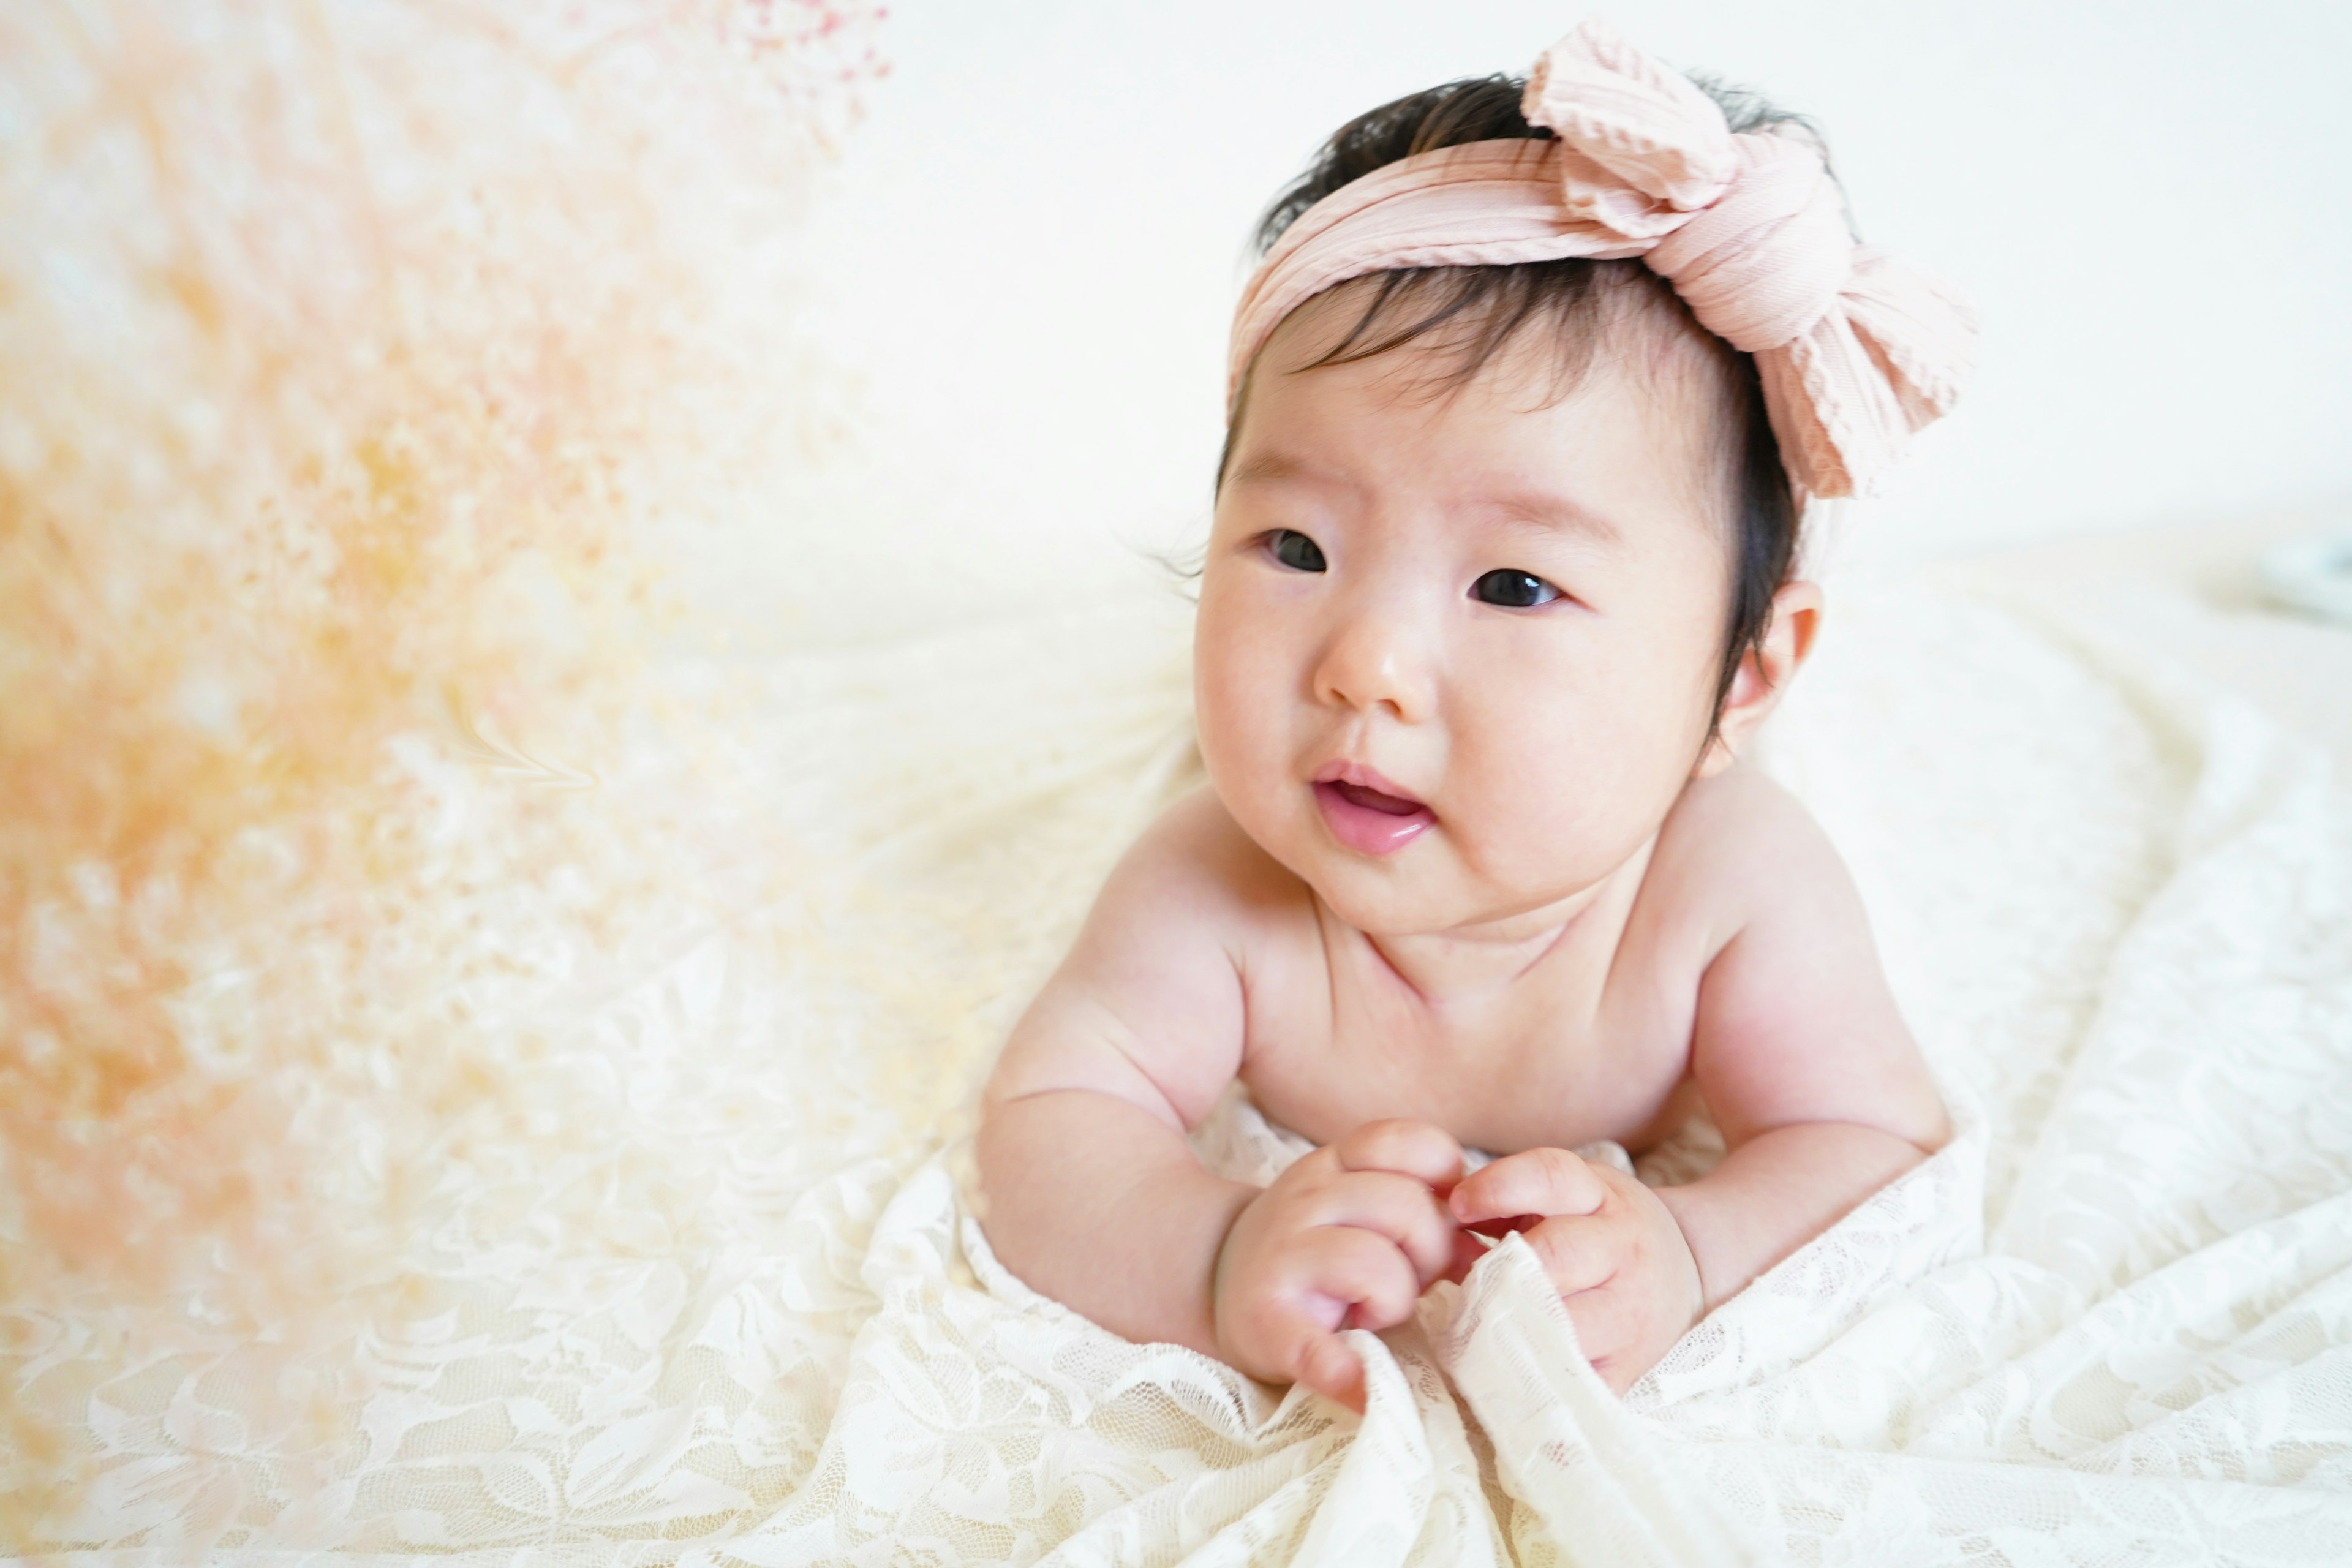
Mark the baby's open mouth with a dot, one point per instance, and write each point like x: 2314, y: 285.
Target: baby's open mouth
x: 1373, y: 800
x: 1374, y: 821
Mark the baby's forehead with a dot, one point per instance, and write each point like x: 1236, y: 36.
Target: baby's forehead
x: 1553, y: 394
x: 1546, y: 328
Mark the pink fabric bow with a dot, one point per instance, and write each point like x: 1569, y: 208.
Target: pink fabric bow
x: 1856, y: 350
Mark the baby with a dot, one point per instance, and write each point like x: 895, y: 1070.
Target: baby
x: 1528, y: 397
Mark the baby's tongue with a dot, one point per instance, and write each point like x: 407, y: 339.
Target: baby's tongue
x: 1373, y: 800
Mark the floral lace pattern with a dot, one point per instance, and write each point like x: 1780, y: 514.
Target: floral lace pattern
x: 2108, y: 1323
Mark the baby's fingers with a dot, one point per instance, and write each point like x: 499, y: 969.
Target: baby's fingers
x: 1612, y: 1333
x: 1420, y: 1150
x: 1340, y: 1277
x: 1398, y: 1208
x: 1576, y: 1253
x: 1333, y: 1371
x: 1535, y: 1182
x: 1367, y: 1275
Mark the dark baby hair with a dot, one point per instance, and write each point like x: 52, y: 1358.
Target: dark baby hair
x: 1489, y: 305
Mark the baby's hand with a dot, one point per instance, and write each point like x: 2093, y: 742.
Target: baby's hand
x: 1347, y: 1238
x: 1613, y: 1249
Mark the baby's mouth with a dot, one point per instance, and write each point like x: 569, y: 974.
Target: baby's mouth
x: 1372, y: 820
x: 1373, y: 800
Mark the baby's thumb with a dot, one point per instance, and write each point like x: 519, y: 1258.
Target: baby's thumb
x: 1332, y: 1370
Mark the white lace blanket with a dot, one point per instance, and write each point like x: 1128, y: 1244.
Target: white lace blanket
x: 2109, y: 1324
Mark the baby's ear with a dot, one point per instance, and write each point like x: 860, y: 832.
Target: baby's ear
x: 1764, y: 673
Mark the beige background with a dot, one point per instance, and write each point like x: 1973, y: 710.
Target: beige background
x: 1031, y: 247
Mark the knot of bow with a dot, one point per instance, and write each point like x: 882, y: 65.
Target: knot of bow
x: 1857, y: 348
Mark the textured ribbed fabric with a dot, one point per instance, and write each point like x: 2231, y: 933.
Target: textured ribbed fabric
x: 1855, y: 348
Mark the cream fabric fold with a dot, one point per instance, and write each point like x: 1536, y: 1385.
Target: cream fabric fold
x: 1856, y: 350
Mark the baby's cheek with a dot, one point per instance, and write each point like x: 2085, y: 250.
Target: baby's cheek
x: 1556, y: 824
x: 1226, y: 697
x: 1239, y: 719
x: 1585, y: 766
x: 1233, y: 720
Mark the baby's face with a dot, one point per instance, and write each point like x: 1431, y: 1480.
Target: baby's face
x: 1456, y: 659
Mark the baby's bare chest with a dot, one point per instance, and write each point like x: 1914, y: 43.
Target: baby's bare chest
x: 1329, y: 1050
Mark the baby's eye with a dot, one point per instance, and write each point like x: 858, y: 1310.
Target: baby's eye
x: 1295, y: 550
x: 1513, y: 589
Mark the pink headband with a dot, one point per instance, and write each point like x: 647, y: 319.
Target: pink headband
x: 1855, y: 348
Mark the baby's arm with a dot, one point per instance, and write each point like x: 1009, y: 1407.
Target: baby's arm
x: 1804, y: 1063
x: 1093, y: 1195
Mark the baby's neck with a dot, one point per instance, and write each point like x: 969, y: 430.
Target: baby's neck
x: 1573, y: 942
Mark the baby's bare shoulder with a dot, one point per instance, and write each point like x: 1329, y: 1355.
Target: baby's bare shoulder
x: 1195, y: 863
x: 1149, y: 1002
x: 1738, y: 848
x: 1796, y: 1021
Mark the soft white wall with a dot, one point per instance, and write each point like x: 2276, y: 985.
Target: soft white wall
x: 1031, y: 248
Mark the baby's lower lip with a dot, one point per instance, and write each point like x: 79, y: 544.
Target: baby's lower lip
x: 1369, y: 821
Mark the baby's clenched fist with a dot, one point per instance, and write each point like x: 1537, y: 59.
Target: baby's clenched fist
x: 1613, y: 1248
x: 1347, y: 1238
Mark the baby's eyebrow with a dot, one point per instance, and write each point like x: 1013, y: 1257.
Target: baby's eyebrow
x: 1266, y: 466
x: 1558, y: 514
x: 1536, y: 509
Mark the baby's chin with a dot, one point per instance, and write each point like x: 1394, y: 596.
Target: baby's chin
x: 1421, y: 889
x: 1420, y: 892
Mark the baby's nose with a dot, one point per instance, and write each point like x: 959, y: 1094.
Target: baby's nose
x: 1372, y: 663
